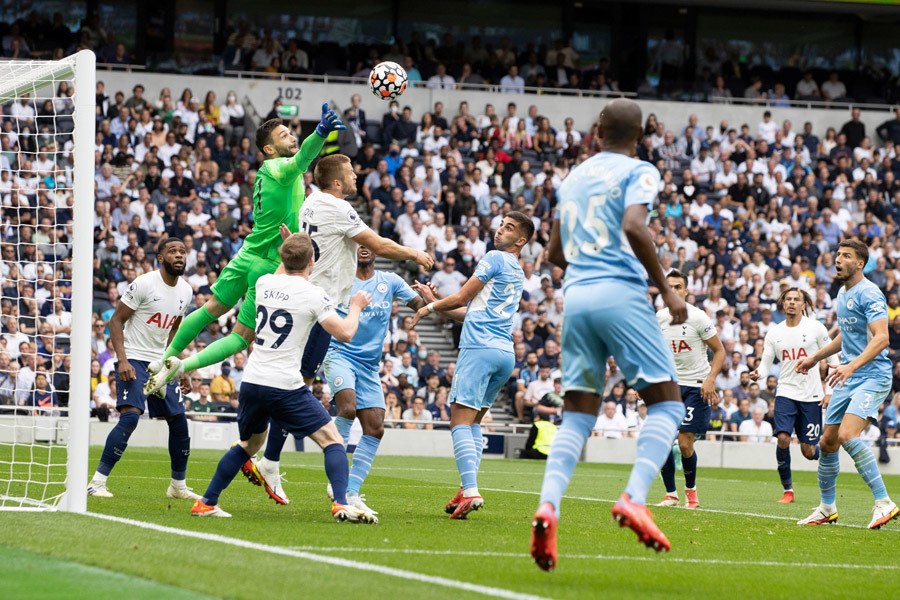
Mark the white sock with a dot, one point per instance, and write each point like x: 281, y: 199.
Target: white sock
x: 829, y: 508
x: 179, y: 483
x: 99, y: 477
x: 470, y: 492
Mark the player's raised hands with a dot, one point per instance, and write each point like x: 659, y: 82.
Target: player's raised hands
x: 284, y: 231
x: 330, y: 122
x: 126, y: 371
x: 360, y: 300
x: 427, y: 291
x: 677, y: 306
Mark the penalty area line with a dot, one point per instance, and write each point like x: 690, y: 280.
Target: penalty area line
x: 654, y: 559
x: 485, y: 590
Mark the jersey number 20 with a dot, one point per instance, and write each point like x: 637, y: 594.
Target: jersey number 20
x: 282, y: 329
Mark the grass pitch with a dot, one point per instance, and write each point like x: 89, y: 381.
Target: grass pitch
x: 740, y: 543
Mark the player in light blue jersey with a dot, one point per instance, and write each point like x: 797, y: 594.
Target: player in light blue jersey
x: 351, y: 368
x: 861, y: 383
x: 600, y: 235
x: 486, y: 358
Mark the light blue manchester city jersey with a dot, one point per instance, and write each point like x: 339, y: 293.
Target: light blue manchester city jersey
x: 367, y: 345
x: 856, y: 308
x: 593, y: 199
x: 489, y: 316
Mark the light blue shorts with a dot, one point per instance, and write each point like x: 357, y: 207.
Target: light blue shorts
x: 612, y: 319
x: 343, y: 373
x: 860, y: 396
x: 480, y: 373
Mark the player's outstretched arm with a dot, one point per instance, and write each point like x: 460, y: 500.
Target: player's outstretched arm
x: 635, y: 227
x: 554, y: 249
x: 427, y: 291
x: 117, y: 335
x: 834, y: 347
x: 391, y: 249
x: 344, y: 329
x: 287, y: 170
x: 765, y: 362
x: 453, y: 302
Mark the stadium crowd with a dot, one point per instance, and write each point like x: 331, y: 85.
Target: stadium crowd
x: 745, y: 210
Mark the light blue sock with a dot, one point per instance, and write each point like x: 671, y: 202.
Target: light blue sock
x: 829, y: 467
x: 478, y: 440
x: 466, y: 457
x: 565, y: 450
x: 343, y: 426
x: 653, y: 447
x: 867, y: 466
x: 362, y: 462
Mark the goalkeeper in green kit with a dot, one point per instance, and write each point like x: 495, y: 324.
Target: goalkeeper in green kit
x: 278, y: 194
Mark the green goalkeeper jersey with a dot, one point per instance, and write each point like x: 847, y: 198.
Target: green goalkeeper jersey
x: 278, y: 194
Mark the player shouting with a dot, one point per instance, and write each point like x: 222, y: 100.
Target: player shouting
x: 861, y: 383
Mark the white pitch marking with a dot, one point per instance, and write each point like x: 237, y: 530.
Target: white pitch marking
x: 485, y: 590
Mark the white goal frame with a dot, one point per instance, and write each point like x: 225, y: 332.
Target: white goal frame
x: 81, y: 69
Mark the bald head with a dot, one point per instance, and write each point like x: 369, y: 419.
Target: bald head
x: 620, y: 122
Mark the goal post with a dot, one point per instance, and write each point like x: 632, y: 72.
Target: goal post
x: 47, y: 198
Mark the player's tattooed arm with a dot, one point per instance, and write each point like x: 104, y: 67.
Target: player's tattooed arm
x: 117, y: 335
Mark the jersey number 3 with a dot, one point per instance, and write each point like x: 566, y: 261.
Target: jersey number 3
x: 310, y: 230
x: 282, y: 329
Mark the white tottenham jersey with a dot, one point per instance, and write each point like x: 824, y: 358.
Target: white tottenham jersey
x: 156, y: 307
x: 688, y: 344
x: 287, y: 306
x: 331, y: 223
x: 790, y: 344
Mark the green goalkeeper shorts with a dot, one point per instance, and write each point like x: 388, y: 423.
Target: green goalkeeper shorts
x: 238, y: 279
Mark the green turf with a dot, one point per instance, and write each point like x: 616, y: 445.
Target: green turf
x: 713, y: 552
x: 29, y: 575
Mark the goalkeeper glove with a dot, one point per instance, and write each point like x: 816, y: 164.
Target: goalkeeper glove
x: 330, y: 122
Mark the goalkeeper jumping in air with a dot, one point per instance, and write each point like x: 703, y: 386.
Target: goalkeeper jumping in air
x: 278, y: 194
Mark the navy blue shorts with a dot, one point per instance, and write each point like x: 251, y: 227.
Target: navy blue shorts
x: 296, y: 411
x: 131, y: 393
x: 697, y: 411
x: 315, y: 351
x: 803, y: 417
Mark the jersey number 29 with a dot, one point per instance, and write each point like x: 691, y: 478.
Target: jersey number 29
x: 282, y: 329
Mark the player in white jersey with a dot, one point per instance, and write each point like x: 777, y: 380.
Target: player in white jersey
x: 287, y: 307
x: 145, y: 320
x: 696, y: 381
x: 335, y: 230
x: 799, y: 398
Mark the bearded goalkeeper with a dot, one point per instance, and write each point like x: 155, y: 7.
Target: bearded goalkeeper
x: 278, y: 194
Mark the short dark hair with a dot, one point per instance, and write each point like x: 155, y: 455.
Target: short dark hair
x: 858, y: 247
x: 296, y: 251
x: 678, y: 274
x: 526, y: 225
x: 264, y: 133
x: 166, y: 242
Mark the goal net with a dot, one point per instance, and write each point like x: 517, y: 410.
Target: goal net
x: 46, y: 205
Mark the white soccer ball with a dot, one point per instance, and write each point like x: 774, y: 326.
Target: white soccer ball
x: 387, y: 80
